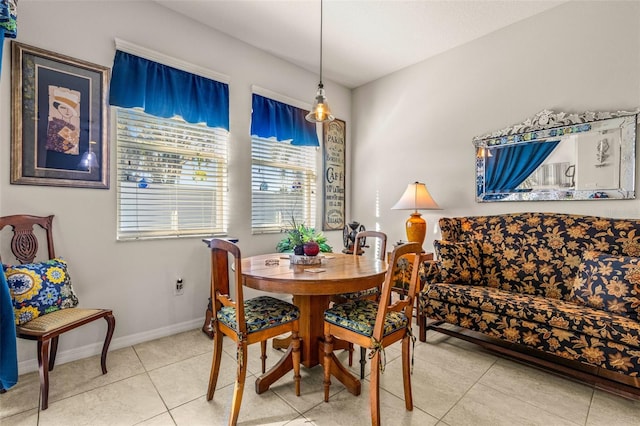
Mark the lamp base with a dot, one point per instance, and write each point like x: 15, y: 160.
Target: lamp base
x: 416, y: 228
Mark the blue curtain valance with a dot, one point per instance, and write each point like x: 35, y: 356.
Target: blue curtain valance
x: 511, y: 165
x: 165, y: 92
x: 284, y: 122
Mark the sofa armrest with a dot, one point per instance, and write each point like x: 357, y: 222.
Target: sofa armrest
x: 429, y: 273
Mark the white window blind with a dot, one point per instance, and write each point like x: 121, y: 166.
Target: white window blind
x: 172, y: 177
x: 283, y: 185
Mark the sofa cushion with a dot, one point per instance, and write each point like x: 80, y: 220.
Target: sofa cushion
x: 459, y: 262
x: 506, y: 309
x: 539, y: 253
x: 39, y: 288
x: 616, y: 348
x: 609, y: 282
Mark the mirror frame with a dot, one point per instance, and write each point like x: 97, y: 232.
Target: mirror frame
x: 550, y: 125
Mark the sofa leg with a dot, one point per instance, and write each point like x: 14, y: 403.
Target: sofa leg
x: 422, y: 324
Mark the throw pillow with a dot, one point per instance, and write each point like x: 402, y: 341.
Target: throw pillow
x: 39, y: 288
x: 459, y: 262
x: 609, y: 282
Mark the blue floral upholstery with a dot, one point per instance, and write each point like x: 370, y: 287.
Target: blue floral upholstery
x: 611, y: 283
x: 39, y: 288
x: 260, y: 313
x: 360, y: 316
x: 530, y: 264
x: 459, y: 262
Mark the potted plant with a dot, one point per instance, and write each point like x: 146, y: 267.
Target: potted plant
x: 300, y: 235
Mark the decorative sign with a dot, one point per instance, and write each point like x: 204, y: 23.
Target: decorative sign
x: 334, y: 135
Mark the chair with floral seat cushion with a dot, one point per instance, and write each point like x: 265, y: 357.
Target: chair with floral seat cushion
x: 43, y: 299
x: 370, y: 293
x: 376, y: 325
x: 245, y: 321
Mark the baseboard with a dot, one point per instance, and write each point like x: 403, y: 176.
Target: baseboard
x: 74, y: 354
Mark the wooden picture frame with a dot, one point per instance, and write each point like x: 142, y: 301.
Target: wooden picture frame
x: 59, y: 120
x: 334, y: 172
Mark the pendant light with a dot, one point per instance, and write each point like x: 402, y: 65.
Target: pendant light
x: 320, y: 112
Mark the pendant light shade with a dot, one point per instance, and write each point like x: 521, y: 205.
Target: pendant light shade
x: 320, y: 112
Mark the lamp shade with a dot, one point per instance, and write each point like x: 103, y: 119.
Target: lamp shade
x: 416, y: 197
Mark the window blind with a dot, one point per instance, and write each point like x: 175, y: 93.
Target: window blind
x: 283, y: 185
x: 172, y: 177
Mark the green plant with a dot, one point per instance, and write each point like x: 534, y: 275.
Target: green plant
x: 298, y: 235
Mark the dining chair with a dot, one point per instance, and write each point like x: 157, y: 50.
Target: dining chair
x: 245, y: 321
x: 375, y: 325
x: 43, y: 299
x: 370, y: 293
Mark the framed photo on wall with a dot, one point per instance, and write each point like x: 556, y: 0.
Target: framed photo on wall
x: 59, y: 119
x: 334, y: 142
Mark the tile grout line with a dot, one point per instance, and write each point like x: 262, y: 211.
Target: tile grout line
x: 593, y: 395
x: 546, y: 373
x: 441, y: 419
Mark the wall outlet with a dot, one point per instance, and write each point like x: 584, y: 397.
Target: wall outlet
x: 179, y: 288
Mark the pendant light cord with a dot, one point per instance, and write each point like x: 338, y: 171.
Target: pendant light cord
x: 320, y: 42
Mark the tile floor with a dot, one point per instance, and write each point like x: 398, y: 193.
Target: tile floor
x: 163, y: 382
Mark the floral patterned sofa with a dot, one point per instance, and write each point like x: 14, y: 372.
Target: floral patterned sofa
x: 561, y: 291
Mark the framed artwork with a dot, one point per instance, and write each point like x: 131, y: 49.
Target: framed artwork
x: 334, y: 142
x: 59, y: 119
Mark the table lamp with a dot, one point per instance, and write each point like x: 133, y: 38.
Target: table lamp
x: 416, y: 197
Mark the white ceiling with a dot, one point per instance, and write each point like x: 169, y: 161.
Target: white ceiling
x: 363, y: 39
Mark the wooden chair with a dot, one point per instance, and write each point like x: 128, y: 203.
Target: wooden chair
x: 370, y: 293
x: 375, y: 325
x: 46, y: 329
x: 245, y: 321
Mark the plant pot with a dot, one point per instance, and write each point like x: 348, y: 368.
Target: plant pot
x: 311, y: 248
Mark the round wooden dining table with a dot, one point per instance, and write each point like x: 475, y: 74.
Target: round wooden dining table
x: 312, y: 287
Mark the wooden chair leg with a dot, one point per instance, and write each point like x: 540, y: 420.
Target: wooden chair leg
x: 295, y: 341
x: 363, y: 361
x: 350, y: 354
x: 238, y: 390
x: 328, y: 350
x: 215, y: 363
x: 52, y: 352
x: 374, y: 389
x: 406, y: 373
x: 111, y: 325
x: 43, y: 368
x: 263, y: 355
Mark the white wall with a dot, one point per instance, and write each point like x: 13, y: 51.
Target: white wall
x: 418, y: 123
x: 135, y: 279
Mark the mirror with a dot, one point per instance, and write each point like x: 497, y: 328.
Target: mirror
x: 559, y: 156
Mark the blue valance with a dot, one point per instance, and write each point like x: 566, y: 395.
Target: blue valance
x: 165, y: 92
x: 510, y: 165
x: 271, y: 118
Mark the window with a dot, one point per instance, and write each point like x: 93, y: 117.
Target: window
x: 283, y: 185
x: 283, y: 166
x: 172, y: 177
x: 172, y: 126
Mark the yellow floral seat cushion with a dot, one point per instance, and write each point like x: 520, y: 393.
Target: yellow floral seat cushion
x: 260, y: 313
x: 360, y: 316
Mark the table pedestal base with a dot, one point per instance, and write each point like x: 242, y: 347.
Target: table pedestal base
x: 285, y: 365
